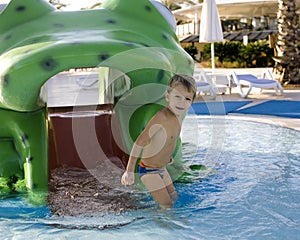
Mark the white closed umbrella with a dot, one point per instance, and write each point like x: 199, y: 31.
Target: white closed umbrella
x: 210, y: 27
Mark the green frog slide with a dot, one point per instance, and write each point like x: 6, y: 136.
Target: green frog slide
x: 135, y: 37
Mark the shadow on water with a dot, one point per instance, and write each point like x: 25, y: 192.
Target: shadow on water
x: 92, y: 226
x: 81, y: 192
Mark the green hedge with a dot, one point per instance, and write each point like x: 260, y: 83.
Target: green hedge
x: 192, y: 50
x: 236, y: 54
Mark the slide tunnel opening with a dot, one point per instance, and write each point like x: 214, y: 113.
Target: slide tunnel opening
x: 80, y: 104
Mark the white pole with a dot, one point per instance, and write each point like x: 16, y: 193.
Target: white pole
x: 196, y: 30
x: 212, y: 47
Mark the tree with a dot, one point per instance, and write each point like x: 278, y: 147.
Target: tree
x: 176, y: 4
x: 288, y: 58
x: 57, y: 4
x: 60, y: 5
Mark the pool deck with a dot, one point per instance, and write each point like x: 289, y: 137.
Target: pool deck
x: 257, y: 97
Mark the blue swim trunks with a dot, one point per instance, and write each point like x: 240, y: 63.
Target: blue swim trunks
x: 142, y: 170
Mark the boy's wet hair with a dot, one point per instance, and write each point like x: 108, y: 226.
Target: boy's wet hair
x: 181, y: 79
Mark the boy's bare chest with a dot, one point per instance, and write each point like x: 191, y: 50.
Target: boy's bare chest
x: 172, y: 131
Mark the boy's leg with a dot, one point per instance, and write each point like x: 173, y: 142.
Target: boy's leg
x: 169, y: 185
x: 157, y: 187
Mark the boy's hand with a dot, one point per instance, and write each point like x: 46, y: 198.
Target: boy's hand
x: 127, y: 178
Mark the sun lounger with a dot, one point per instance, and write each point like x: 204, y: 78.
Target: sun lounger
x: 203, y: 84
x: 251, y: 81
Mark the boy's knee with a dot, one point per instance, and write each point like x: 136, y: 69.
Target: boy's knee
x: 166, y: 206
x: 173, y: 195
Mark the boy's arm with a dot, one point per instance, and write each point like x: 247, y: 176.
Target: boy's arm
x: 142, y: 141
x: 134, y: 155
x: 128, y: 176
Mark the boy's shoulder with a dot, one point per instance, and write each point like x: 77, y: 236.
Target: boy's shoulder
x: 164, y: 114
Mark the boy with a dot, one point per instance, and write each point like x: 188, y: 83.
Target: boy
x: 156, y: 143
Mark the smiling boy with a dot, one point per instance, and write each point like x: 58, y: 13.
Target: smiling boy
x: 157, y: 142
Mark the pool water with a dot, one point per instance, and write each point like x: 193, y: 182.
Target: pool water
x: 251, y: 192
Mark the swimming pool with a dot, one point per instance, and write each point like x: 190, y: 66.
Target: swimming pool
x: 252, y: 192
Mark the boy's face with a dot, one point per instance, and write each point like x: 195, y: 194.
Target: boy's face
x: 179, y: 100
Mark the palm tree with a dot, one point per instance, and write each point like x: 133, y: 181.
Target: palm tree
x: 60, y: 5
x: 176, y: 4
x: 288, y: 58
x: 57, y: 4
